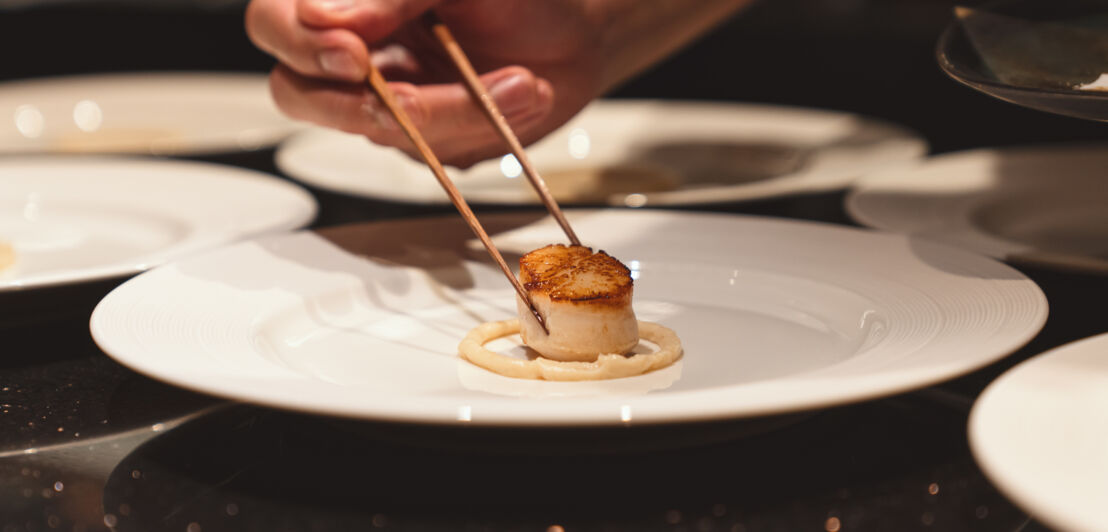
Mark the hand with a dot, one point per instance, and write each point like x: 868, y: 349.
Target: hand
x: 526, y: 49
x: 542, y: 61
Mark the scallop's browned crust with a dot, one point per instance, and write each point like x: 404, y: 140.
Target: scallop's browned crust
x: 575, y: 274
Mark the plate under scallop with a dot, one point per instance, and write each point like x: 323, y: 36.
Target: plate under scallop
x: 775, y: 317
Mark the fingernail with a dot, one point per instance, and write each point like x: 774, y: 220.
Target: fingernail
x: 512, y: 94
x: 383, y: 119
x: 341, y: 64
x: 376, y: 111
x: 411, y: 106
x: 333, y: 5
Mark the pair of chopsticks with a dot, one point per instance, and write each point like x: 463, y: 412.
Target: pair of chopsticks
x: 492, y: 112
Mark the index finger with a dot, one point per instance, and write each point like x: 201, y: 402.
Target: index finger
x: 332, y: 53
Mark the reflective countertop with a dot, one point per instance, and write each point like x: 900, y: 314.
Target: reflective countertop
x: 86, y: 444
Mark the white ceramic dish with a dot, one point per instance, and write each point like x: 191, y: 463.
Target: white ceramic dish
x: 1043, y: 205
x: 1040, y: 432
x: 78, y: 219
x: 141, y: 113
x: 775, y: 317
x: 654, y: 153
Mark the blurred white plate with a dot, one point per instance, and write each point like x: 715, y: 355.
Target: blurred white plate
x: 775, y: 316
x: 1045, y: 205
x: 144, y: 113
x: 1040, y: 432
x: 78, y: 219
x: 627, y: 152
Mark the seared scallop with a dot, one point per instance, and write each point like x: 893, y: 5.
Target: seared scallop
x: 585, y: 299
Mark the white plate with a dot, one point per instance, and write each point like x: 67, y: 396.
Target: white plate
x: 144, y: 113
x: 1043, y: 205
x: 78, y: 219
x: 775, y: 316
x: 1040, y: 432
x: 656, y: 153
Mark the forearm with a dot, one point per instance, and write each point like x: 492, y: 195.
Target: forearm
x: 638, y: 33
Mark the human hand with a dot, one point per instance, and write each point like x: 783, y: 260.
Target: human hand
x: 537, y: 57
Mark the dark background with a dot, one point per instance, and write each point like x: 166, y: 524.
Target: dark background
x: 874, y: 57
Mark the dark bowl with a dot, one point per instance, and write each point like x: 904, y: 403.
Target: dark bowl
x: 1032, y: 53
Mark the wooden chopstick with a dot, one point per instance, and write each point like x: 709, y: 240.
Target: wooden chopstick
x: 492, y: 112
x: 377, y: 81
